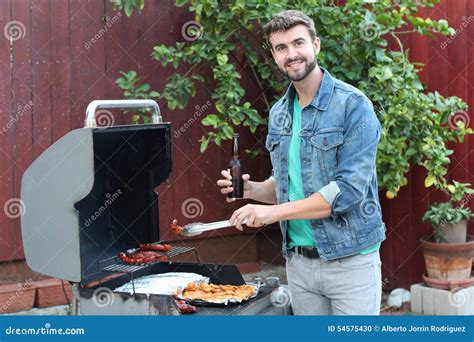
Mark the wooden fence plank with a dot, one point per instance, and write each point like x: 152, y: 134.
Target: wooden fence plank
x: 60, y: 69
x: 469, y: 15
x: 6, y: 137
x: 114, y: 57
x: 22, y: 106
x: 80, y: 82
x: 457, y: 82
x: 96, y: 54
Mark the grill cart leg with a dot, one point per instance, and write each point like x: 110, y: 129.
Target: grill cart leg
x: 74, y: 306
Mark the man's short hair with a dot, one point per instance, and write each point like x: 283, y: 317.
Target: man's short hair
x: 287, y: 19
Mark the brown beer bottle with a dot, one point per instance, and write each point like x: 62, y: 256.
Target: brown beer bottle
x: 236, y: 170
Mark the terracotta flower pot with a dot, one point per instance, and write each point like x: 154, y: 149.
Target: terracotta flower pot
x: 470, y: 237
x: 448, y: 261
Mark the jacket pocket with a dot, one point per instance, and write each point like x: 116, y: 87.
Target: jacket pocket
x: 325, y: 145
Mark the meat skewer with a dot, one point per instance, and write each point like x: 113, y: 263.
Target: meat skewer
x: 141, y: 256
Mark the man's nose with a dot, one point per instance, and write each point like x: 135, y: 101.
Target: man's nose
x: 292, y: 53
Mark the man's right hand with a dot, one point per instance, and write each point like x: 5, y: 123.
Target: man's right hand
x: 226, y: 185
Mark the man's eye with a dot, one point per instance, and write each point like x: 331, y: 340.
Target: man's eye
x: 299, y: 43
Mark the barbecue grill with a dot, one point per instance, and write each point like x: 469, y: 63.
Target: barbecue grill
x: 91, y: 195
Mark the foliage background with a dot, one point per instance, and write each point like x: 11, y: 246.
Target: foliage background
x: 417, y: 125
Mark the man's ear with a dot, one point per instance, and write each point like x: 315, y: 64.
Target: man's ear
x: 272, y: 51
x: 317, y: 44
x: 271, y: 47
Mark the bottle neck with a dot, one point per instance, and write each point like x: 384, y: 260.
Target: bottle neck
x: 236, y: 148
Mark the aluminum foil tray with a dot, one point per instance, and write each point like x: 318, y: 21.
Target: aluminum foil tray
x: 163, y: 283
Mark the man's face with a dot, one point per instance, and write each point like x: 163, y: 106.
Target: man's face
x: 294, y: 52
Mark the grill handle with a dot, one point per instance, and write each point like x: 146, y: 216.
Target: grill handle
x: 122, y: 104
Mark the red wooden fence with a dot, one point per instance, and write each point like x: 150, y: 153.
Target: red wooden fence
x: 63, y: 55
x: 66, y: 56
x: 449, y: 69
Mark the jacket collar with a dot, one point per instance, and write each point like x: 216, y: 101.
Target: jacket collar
x: 323, y: 95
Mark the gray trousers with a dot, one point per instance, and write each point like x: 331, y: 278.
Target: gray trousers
x: 346, y: 286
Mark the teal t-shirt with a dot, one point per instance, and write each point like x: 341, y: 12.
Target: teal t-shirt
x: 300, y: 232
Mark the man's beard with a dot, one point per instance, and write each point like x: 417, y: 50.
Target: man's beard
x: 295, y: 78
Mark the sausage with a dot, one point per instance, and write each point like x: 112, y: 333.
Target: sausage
x: 150, y: 258
x: 122, y: 256
x: 142, y: 258
x: 155, y: 247
x: 146, y: 254
x: 163, y: 258
x: 175, y: 228
x: 185, y: 308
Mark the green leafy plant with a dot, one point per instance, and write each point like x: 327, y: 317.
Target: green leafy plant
x: 128, y: 5
x: 441, y: 214
x: 416, y: 125
x: 133, y: 88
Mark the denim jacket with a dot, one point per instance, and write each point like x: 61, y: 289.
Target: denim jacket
x: 338, y: 144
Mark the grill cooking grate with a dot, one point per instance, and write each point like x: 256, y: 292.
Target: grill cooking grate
x: 115, y: 265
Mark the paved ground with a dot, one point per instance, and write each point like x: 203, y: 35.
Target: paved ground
x: 61, y: 310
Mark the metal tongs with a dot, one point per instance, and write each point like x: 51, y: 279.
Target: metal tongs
x: 197, y: 228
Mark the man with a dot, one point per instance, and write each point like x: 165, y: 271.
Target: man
x: 322, y: 139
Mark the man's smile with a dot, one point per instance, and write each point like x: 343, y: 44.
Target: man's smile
x: 294, y: 64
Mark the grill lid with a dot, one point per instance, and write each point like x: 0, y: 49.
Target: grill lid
x: 91, y: 194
